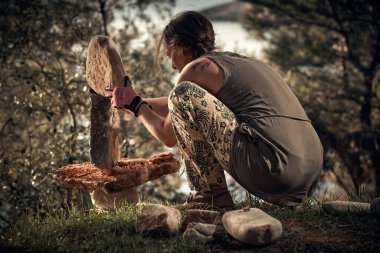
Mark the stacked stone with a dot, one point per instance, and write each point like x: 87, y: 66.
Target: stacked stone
x: 250, y: 226
x: 110, y: 178
x: 104, y: 67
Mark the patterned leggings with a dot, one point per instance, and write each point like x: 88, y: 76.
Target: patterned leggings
x: 204, y: 127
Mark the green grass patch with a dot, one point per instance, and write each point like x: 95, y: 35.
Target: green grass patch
x: 114, y: 231
x: 90, y: 231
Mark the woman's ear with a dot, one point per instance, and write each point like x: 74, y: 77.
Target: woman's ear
x: 186, y: 52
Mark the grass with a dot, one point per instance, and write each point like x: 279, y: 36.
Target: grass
x: 306, y: 229
x: 88, y: 231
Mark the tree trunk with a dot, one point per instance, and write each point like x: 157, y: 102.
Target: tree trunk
x: 103, y: 12
x: 376, y: 163
x: 365, y: 112
x: 350, y: 162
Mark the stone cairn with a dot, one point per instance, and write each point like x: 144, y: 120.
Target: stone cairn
x: 110, y: 177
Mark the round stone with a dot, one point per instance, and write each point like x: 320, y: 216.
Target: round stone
x: 254, y: 227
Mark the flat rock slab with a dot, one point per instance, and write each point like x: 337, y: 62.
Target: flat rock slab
x: 104, y: 66
x: 199, y: 216
x: 252, y: 226
x: 199, y: 232
x: 375, y: 207
x: 126, y: 174
x: 345, y: 207
x: 155, y: 218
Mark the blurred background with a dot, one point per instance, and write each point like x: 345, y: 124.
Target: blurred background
x: 328, y: 52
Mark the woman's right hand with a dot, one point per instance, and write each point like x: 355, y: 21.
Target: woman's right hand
x: 122, y: 95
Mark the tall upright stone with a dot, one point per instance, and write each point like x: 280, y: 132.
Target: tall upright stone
x: 105, y: 123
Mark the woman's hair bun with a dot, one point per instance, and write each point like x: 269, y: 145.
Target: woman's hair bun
x: 192, y: 30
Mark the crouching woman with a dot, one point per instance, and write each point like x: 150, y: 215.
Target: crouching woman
x: 232, y: 113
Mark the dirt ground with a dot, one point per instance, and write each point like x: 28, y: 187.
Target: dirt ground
x: 307, y: 236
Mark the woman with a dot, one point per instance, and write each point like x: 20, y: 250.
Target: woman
x: 228, y: 112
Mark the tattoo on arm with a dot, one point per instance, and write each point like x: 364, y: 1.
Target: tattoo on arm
x: 200, y: 65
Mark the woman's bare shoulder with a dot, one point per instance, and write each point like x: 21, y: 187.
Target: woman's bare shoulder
x: 203, y: 72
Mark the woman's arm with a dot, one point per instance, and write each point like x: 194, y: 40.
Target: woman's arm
x: 159, y: 127
x: 159, y: 105
x: 158, y: 122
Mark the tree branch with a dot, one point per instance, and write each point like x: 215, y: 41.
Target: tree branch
x: 64, y: 94
x: 353, y: 58
x: 5, y: 125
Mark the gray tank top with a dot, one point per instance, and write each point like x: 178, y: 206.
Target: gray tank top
x: 275, y: 148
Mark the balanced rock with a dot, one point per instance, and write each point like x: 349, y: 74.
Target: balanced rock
x: 375, y: 207
x: 104, y: 200
x: 104, y: 66
x: 252, y: 226
x: 199, y: 216
x: 126, y: 174
x: 155, y: 218
x: 345, y: 207
x: 199, y: 232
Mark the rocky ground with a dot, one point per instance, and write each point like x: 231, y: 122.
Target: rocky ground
x: 308, y: 229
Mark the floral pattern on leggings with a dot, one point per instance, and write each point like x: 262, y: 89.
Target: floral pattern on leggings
x: 204, y: 127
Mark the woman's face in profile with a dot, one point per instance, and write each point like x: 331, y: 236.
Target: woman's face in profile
x: 179, y: 56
